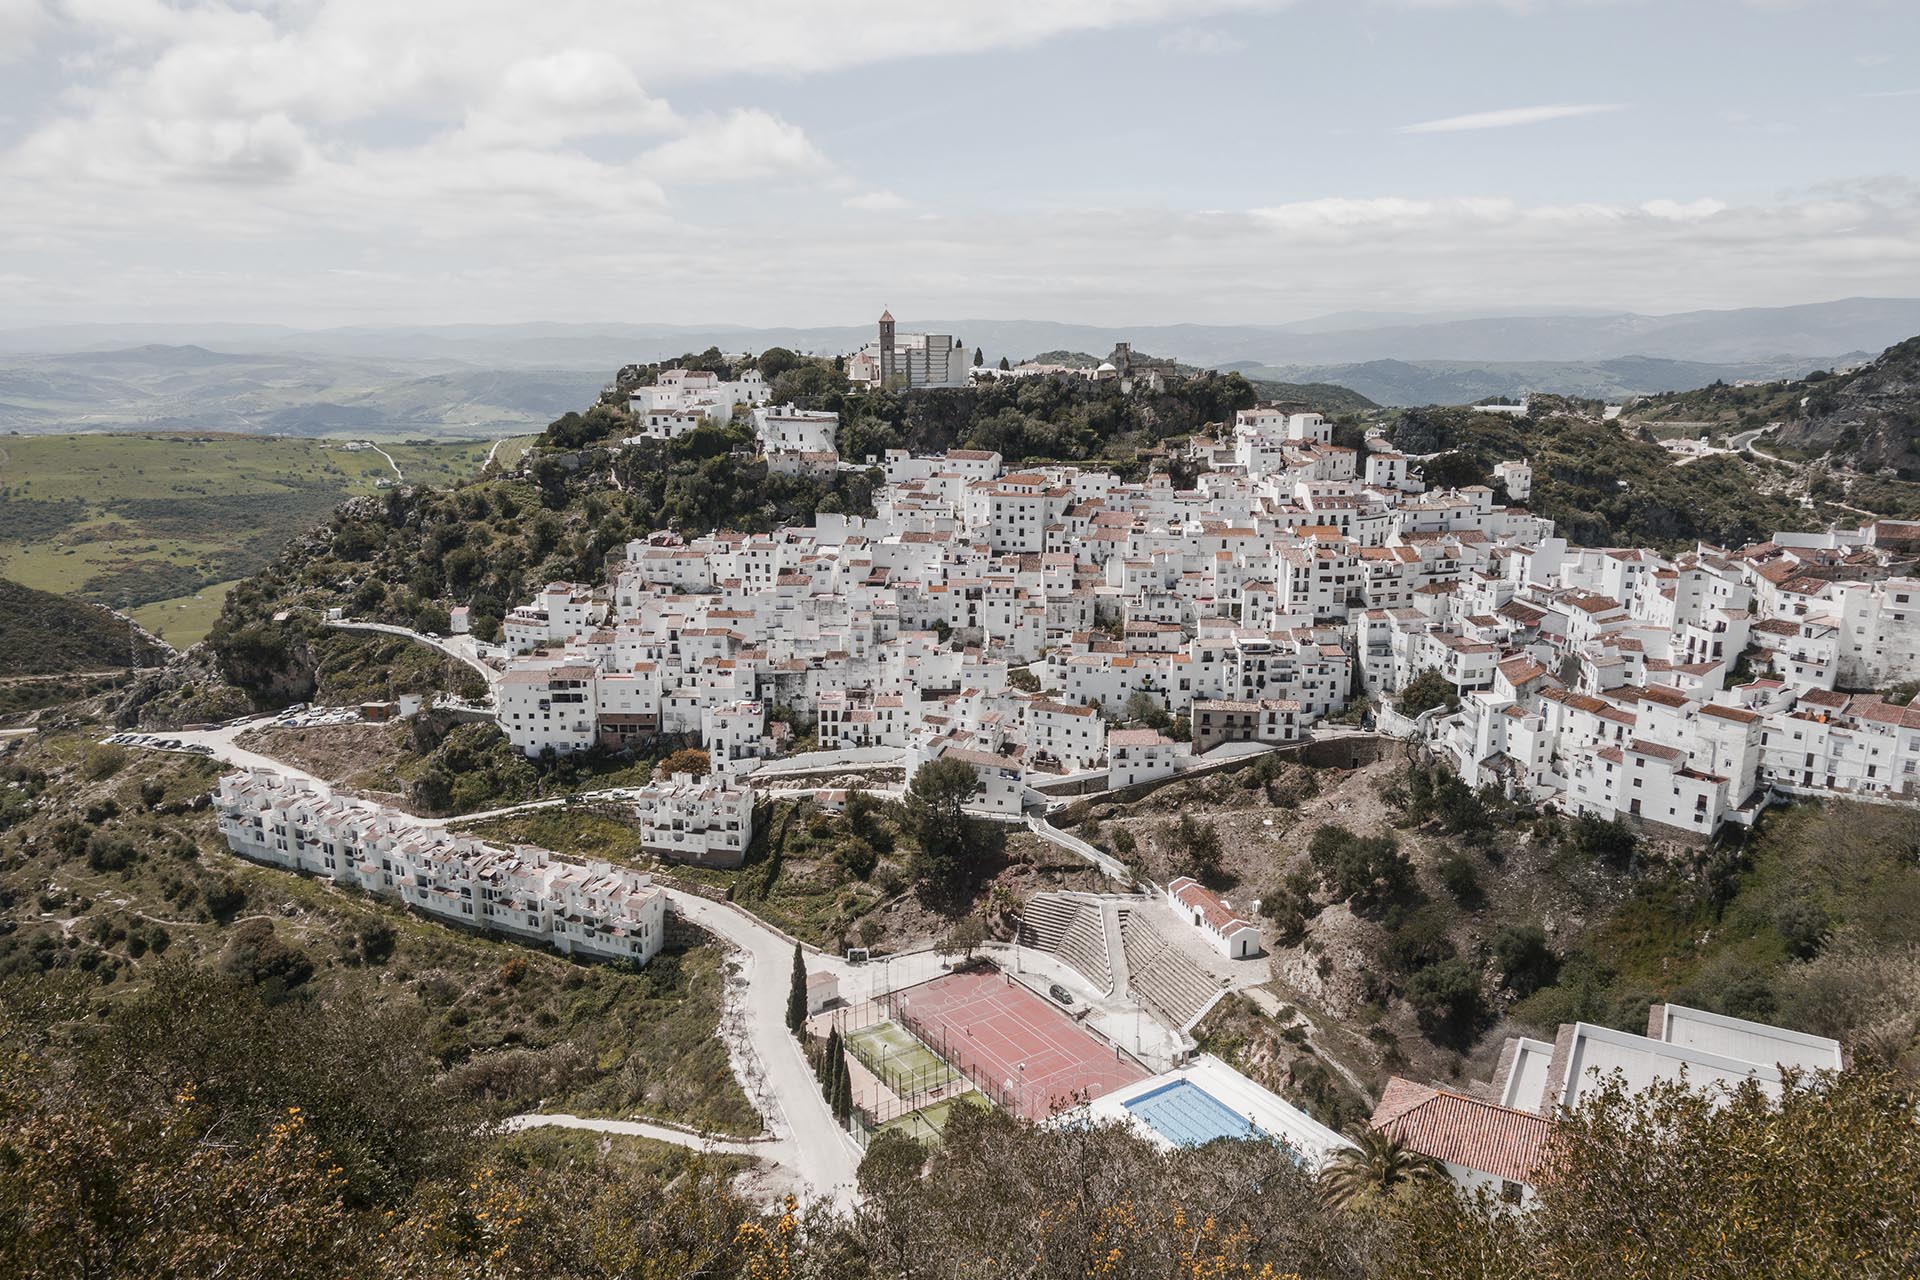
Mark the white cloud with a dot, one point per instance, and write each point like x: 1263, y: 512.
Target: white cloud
x: 1509, y: 117
x: 1690, y: 211
x: 742, y: 146
x: 1201, y: 41
x: 880, y: 201
x: 21, y: 22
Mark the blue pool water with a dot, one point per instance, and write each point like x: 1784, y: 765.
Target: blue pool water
x: 1187, y: 1115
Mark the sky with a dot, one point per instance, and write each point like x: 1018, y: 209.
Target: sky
x: 806, y: 162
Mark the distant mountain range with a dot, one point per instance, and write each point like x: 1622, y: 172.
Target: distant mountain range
x: 1420, y: 382
x: 498, y: 379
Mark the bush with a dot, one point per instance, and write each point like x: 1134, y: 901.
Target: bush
x: 1419, y: 940
x: 1525, y: 961
x: 1462, y: 880
x: 110, y: 851
x: 1445, y: 997
x: 258, y: 958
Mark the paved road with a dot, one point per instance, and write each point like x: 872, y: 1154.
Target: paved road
x: 461, y: 647
x: 760, y: 1148
x: 221, y: 742
x: 822, y: 1154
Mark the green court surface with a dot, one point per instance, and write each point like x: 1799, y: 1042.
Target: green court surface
x: 928, y: 1123
x: 901, y: 1062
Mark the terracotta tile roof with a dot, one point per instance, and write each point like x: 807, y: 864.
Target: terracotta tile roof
x: 1457, y: 1129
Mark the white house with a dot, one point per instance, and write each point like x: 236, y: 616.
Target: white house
x: 1231, y: 934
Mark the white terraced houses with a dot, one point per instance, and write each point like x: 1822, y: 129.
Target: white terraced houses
x: 1286, y: 578
x: 588, y: 908
x: 707, y: 821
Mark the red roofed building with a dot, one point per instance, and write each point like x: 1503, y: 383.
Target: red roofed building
x: 1479, y: 1144
x: 1230, y: 932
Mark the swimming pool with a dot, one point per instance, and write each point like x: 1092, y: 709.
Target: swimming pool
x: 1187, y: 1115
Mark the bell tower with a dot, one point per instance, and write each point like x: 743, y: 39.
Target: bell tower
x: 886, y: 346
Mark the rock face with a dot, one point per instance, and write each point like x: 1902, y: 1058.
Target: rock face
x: 1869, y: 418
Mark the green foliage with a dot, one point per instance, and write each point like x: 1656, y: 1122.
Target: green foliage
x: 1369, y: 872
x: 1197, y: 844
x: 1427, y: 690
x: 1675, y: 1182
x: 1461, y: 878
x: 953, y: 847
x: 797, y: 992
x: 1598, y: 486
x: 474, y: 768
x: 1446, y: 999
x: 1524, y: 958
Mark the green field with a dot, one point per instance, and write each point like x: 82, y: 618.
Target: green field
x: 901, y: 1062
x: 184, y: 620
x: 927, y: 1124
x: 170, y: 520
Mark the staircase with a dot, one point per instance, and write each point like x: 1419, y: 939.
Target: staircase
x: 1162, y: 976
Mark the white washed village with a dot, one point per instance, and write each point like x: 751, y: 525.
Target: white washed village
x: 1036, y: 622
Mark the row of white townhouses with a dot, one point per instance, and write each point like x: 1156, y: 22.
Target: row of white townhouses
x: 589, y: 908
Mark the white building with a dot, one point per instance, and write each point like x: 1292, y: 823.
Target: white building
x: 706, y: 821
x: 579, y: 908
x: 1229, y: 931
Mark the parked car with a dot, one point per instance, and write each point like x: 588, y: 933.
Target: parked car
x: 1061, y: 994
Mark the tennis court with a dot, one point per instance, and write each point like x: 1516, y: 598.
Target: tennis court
x: 1018, y: 1050
x: 902, y: 1063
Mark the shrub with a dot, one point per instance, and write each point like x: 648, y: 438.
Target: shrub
x: 1457, y: 873
x: 1445, y: 997
x: 1525, y: 961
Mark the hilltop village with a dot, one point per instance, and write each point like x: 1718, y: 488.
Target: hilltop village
x: 1060, y: 630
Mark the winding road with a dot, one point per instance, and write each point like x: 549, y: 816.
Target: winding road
x: 461, y: 647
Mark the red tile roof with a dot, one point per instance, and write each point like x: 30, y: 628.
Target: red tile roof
x: 1457, y: 1129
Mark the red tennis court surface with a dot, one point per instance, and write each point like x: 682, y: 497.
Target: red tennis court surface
x: 1017, y: 1049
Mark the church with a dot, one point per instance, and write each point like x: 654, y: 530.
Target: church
x: 909, y: 359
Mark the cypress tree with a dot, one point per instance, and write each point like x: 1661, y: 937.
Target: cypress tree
x: 797, y: 993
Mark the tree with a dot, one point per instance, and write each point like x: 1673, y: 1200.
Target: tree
x: 691, y: 760
x: 1446, y: 1001
x: 1003, y: 364
x: 968, y: 932
x: 951, y: 843
x: 1377, y: 1167
x: 1428, y: 689
x: 1367, y: 871
x: 1525, y: 961
x: 978, y: 359
x: 797, y: 993
x: 1199, y: 843
x: 1678, y: 1181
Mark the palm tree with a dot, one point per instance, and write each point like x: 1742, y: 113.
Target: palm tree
x: 1377, y: 1166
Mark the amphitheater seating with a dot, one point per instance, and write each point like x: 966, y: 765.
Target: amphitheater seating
x: 1070, y: 927
x: 1162, y: 975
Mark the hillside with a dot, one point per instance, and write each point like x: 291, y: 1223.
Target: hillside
x: 1421, y: 382
x: 44, y: 634
x: 1325, y: 397
x: 164, y: 522
x: 1866, y: 420
x: 1605, y: 487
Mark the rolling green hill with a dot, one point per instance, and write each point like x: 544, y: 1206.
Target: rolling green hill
x: 166, y: 520
x: 42, y: 634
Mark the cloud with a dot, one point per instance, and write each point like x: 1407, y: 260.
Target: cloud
x: 742, y: 146
x: 1201, y: 41
x: 21, y: 22
x: 1675, y: 211
x: 1511, y: 116
x: 881, y: 201
x: 1894, y: 93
